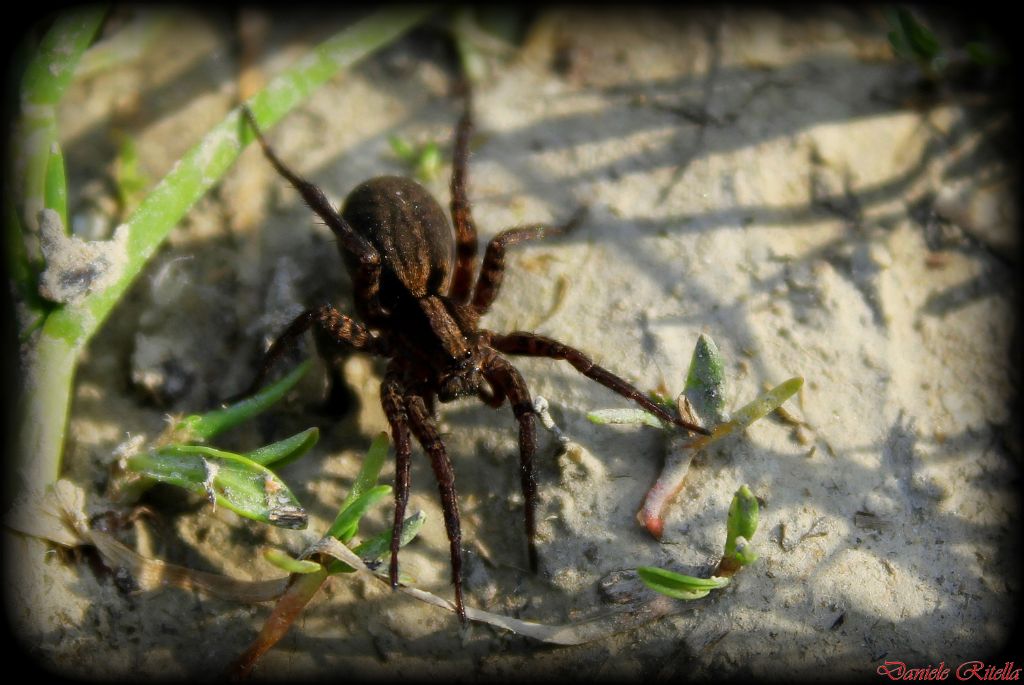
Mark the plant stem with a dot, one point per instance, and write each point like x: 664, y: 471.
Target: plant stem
x: 36, y: 171
x: 45, y: 412
x: 46, y: 78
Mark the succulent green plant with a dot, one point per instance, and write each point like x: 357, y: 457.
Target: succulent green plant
x: 741, y: 525
x: 703, y: 397
x: 242, y: 483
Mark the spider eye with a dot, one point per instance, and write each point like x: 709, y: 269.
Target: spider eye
x: 464, y: 359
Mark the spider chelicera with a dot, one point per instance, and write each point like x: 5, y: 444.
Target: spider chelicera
x: 415, y: 292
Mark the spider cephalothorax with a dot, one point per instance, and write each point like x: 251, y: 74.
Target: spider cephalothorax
x: 414, y: 289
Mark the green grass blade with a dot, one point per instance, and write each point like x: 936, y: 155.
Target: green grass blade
x: 202, y: 427
x: 289, y: 563
x: 49, y: 73
x: 55, y: 192
x: 377, y: 547
x: 46, y: 77
x: 204, y: 164
x: 346, y: 525
x: 359, y: 498
x: 336, y: 53
x: 369, y: 472
x: 22, y: 273
x: 603, y: 417
x: 920, y: 40
x: 374, y: 550
x: 285, y: 451
x: 51, y: 364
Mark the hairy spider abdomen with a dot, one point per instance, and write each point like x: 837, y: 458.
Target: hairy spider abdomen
x: 410, y: 232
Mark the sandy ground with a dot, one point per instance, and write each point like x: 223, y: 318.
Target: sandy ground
x: 757, y: 177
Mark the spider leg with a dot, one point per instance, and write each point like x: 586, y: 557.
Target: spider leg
x: 508, y: 382
x: 425, y: 430
x: 462, y: 217
x: 493, y: 269
x: 333, y: 330
x: 366, y: 280
x: 493, y: 396
x: 533, y: 345
x: 391, y: 391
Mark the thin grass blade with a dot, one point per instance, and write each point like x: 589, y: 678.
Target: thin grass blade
x: 604, y: 417
x: 285, y: 451
x: 373, y: 551
x: 288, y: 563
x: 202, y: 427
x: 346, y: 525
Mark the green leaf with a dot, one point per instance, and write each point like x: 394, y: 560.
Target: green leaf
x: 402, y: 149
x: 920, y: 39
x: 374, y: 550
x: 911, y: 39
x: 202, y: 427
x: 285, y: 451
x: 131, y: 182
x: 55, y: 192
x: 604, y: 417
x: 763, y: 405
x: 346, y: 525
x: 705, y: 382
x: 744, y: 552
x: 49, y: 73
x: 230, y: 480
x: 373, y: 462
x: 429, y: 161
x: 741, y: 525
x: 425, y: 161
x: 983, y: 54
x: 286, y: 562
x: 678, y: 585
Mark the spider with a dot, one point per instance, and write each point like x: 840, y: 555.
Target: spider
x: 414, y: 290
